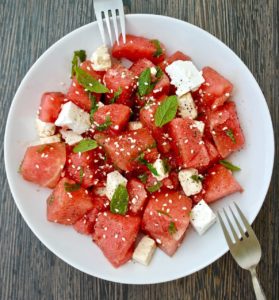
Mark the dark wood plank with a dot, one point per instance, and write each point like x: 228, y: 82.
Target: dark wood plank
x: 27, y: 29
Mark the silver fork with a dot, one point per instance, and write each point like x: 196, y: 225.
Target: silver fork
x: 247, y: 250
x: 105, y: 8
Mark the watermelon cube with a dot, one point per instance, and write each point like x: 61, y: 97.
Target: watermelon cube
x: 137, y: 195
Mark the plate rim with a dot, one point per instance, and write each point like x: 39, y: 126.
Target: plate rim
x: 60, y: 255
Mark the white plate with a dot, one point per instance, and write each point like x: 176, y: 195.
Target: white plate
x: 256, y: 160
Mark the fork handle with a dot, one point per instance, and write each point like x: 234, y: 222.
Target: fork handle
x: 257, y: 286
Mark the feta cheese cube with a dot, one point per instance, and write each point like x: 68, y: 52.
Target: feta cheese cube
x: 161, y: 169
x: 189, y: 185
x: 184, y: 76
x: 134, y: 125
x: 187, y: 107
x: 50, y: 139
x: 113, y: 180
x: 200, y: 126
x: 74, y: 118
x: 144, y: 251
x: 202, y: 217
x: 101, y: 59
x: 44, y: 129
x: 70, y: 137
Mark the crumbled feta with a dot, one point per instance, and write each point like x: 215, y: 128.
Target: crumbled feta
x: 101, y: 191
x: 70, y: 137
x: 144, y: 250
x: 189, y: 185
x: 100, y: 104
x: 200, y: 126
x: 74, y: 118
x: 202, y: 217
x: 134, y: 125
x: 160, y: 168
x: 45, y: 129
x: 187, y: 107
x: 153, y: 71
x: 50, y: 139
x: 114, y: 179
x: 101, y: 59
x: 184, y: 76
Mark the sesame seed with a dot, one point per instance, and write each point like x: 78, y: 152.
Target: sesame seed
x: 184, y: 208
x: 77, y: 92
x: 158, y: 241
x: 116, y: 236
x: 123, y: 239
x: 104, y: 236
x: 37, y: 166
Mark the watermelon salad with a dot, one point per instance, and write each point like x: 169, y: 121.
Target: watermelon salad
x: 135, y: 155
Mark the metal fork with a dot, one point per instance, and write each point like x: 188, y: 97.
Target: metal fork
x: 246, y: 250
x: 105, y: 8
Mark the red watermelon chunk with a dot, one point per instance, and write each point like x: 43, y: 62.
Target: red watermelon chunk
x: 43, y: 164
x: 116, y: 235
x: 136, y: 48
x: 159, y: 133
x: 215, y: 90
x: 166, y: 219
x: 68, y: 202
x: 218, y: 183
x: 50, y: 106
x: 92, y: 165
x: 85, y: 225
x: 188, y: 144
x: 121, y: 83
x: 178, y: 55
x: 124, y: 149
x: 226, y: 130
x: 137, y: 195
x: 117, y: 114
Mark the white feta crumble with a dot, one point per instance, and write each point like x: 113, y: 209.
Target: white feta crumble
x: 202, y: 217
x: 187, y: 107
x: 200, y: 126
x: 184, y: 76
x: 161, y: 169
x: 44, y: 129
x: 70, y: 137
x: 101, y: 59
x: 74, y: 118
x: 144, y: 250
x: 134, y: 125
x: 189, y: 185
x: 114, y: 179
x: 50, y: 139
x: 153, y: 71
x: 100, y: 104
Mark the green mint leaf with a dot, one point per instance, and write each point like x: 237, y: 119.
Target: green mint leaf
x: 197, y: 178
x: 94, y: 106
x: 79, y: 56
x: 229, y: 165
x: 163, y: 213
x: 166, y: 111
x: 230, y: 134
x: 145, y: 84
x: 159, y: 73
x: 159, y: 50
x: 155, y: 187
x: 119, y: 201
x: 71, y: 187
x: 166, y: 165
x: 143, y: 177
x: 105, y: 125
x: 89, y: 82
x: 143, y: 161
x: 116, y: 95
x: 85, y: 145
x: 172, y: 228
x: 81, y: 172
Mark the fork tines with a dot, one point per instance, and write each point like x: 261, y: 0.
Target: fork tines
x: 247, y: 227
x: 109, y: 9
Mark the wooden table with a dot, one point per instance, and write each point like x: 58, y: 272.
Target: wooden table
x: 27, y: 28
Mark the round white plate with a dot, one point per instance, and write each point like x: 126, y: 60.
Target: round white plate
x: 256, y: 159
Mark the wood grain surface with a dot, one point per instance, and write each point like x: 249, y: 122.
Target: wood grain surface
x: 28, y: 270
